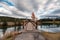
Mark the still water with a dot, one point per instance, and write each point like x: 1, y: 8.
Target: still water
x: 47, y: 28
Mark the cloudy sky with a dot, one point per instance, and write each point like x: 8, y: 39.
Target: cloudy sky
x: 26, y: 7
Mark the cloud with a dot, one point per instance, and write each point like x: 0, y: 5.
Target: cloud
x: 40, y: 7
x: 28, y: 5
x: 49, y: 8
x: 4, y: 11
x: 23, y: 5
x: 14, y: 10
x: 56, y: 11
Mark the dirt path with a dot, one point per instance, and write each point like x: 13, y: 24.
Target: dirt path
x: 29, y: 36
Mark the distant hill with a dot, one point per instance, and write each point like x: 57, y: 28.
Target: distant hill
x: 3, y: 18
x: 50, y: 17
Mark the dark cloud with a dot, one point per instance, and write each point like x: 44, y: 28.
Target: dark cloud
x: 26, y: 5
x: 3, y: 13
x: 22, y: 5
x: 56, y: 11
x: 34, y: 4
x: 30, y: 5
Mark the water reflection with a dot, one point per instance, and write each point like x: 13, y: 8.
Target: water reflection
x: 11, y: 29
x: 48, y: 28
x: 1, y: 33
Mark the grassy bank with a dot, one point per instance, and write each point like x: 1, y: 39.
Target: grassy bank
x: 47, y: 35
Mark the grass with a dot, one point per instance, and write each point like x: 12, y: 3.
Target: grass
x: 10, y: 36
x: 51, y: 36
